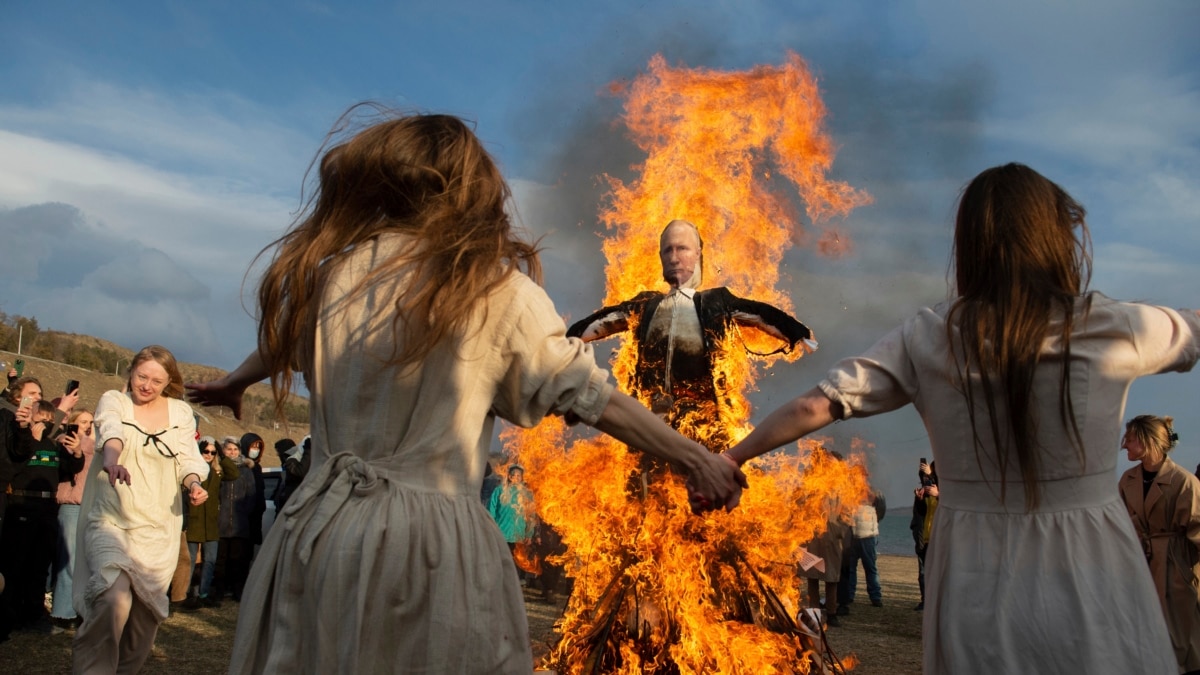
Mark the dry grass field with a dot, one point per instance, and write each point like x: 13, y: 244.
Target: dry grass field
x: 885, y: 640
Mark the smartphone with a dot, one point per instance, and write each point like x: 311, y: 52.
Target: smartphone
x: 26, y: 401
x: 72, y: 385
x: 19, y: 366
x: 70, y: 428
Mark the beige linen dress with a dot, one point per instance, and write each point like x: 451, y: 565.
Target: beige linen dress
x: 1065, y: 588
x: 385, y: 560
x: 1167, y: 522
x: 135, y: 528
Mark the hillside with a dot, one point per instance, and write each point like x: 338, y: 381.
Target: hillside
x: 213, y: 421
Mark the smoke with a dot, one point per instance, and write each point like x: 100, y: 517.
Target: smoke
x: 911, y: 139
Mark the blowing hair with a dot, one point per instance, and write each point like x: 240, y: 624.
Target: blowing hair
x: 1156, y: 434
x: 163, y: 357
x: 426, y: 176
x: 1019, y: 263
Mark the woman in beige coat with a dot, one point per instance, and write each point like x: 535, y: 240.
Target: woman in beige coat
x: 1163, y: 500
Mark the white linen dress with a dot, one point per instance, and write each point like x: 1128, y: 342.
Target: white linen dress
x: 135, y: 528
x: 385, y: 559
x: 1064, y: 589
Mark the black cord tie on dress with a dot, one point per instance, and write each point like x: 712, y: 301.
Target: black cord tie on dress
x: 159, y: 443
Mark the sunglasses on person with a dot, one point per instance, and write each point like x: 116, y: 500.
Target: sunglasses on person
x: 208, y: 452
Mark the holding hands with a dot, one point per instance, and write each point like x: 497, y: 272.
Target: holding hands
x: 725, y: 493
x: 717, y: 485
x: 198, y: 495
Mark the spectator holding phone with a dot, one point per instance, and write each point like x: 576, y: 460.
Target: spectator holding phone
x: 30, y: 537
x: 132, y: 516
x: 925, y: 501
x: 16, y: 412
x: 77, y: 438
x: 238, y: 499
x: 295, y: 459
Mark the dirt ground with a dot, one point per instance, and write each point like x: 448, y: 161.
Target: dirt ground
x: 884, y: 640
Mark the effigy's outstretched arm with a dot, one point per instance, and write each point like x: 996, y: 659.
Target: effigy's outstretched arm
x: 609, y: 321
x: 772, y: 321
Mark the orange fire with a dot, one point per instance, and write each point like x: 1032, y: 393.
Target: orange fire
x: 657, y: 589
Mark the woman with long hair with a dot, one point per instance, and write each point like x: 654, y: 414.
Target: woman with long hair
x: 1019, y: 378
x: 409, y: 305
x: 203, y: 523
x: 132, y: 514
x: 80, y: 440
x: 1163, y: 500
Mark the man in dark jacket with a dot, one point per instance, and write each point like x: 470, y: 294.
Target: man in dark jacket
x: 678, y: 336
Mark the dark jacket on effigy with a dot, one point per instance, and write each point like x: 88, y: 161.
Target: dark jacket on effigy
x: 718, y: 309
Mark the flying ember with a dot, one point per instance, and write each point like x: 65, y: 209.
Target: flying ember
x: 742, y: 157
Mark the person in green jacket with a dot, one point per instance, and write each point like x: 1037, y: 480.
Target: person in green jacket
x: 202, y: 524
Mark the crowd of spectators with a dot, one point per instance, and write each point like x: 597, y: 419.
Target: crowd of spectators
x: 46, y: 452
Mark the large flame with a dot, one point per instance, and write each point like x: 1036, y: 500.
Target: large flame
x: 663, y: 590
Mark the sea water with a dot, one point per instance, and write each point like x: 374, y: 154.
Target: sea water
x: 895, y: 537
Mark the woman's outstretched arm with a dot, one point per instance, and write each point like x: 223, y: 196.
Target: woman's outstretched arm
x: 793, y: 420
x: 228, y: 390
x: 710, y: 476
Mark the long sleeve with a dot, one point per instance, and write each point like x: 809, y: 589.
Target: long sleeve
x: 546, y: 371
x: 608, y: 321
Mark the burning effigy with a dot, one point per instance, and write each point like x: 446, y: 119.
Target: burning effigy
x: 656, y: 588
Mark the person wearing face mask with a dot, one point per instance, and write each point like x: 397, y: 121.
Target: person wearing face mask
x: 252, y: 448
x: 28, y: 543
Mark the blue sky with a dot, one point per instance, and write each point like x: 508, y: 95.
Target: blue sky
x: 149, y: 150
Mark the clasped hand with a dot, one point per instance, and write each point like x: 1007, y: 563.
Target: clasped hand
x: 718, y: 484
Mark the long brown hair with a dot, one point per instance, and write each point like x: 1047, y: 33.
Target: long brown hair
x: 1022, y: 256
x: 426, y: 176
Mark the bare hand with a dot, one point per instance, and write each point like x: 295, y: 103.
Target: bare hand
x: 70, y: 442
x: 198, y: 494
x: 67, y: 403
x: 717, y: 484
x: 216, y: 393
x: 117, y: 474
